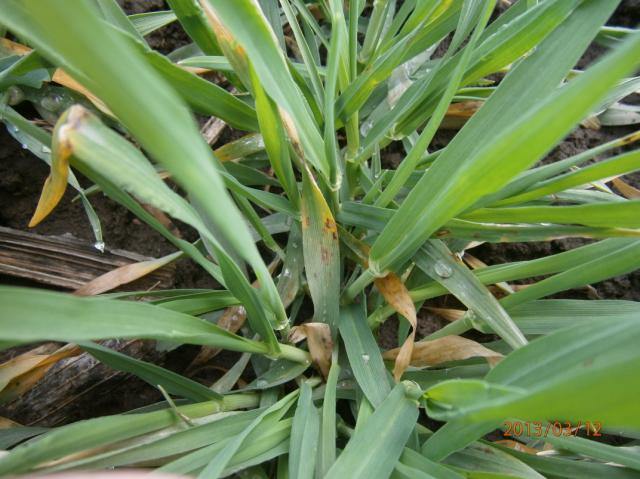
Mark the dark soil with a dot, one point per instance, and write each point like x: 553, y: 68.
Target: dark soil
x: 22, y: 176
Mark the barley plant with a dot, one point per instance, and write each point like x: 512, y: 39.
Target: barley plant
x: 316, y: 239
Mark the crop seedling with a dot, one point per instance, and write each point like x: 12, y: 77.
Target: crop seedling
x: 316, y: 239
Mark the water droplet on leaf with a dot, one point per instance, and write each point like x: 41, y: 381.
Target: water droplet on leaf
x: 99, y: 245
x: 443, y: 270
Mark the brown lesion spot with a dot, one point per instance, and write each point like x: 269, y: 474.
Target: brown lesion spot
x: 330, y: 224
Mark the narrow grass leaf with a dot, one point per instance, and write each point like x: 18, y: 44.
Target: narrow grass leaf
x: 61, y: 317
x: 85, y: 435
x: 364, y: 356
x: 304, y: 436
x: 437, y: 261
x: 194, y: 22
x: 155, y: 375
x: 391, y: 424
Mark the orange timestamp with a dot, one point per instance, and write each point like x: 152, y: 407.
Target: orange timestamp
x: 555, y: 428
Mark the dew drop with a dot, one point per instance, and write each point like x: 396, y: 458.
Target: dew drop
x: 443, y: 270
x: 99, y: 245
x: 51, y: 103
x: 365, y: 358
x: 261, y: 383
x: 24, y: 146
x: 45, y: 149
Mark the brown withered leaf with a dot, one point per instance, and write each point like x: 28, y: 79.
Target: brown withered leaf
x: 318, y: 336
x: 13, y: 48
x: 445, y: 313
x: 475, y: 263
x: 123, y: 275
x: 626, y: 189
x: 397, y: 295
x: 458, y: 114
x: 21, y: 373
x: 517, y: 446
x: 232, y: 320
x: 442, y: 350
x: 8, y: 423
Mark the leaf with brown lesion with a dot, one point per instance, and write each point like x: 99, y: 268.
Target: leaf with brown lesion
x: 321, y: 252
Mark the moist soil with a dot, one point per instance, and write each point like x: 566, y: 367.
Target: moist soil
x: 22, y: 175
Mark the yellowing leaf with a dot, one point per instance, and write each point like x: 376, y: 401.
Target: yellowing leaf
x: 442, y: 350
x: 61, y: 77
x: 232, y: 50
x: 397, y: 295
x: 61, y: 150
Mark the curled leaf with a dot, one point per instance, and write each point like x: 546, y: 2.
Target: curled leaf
x: 442, y: 350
